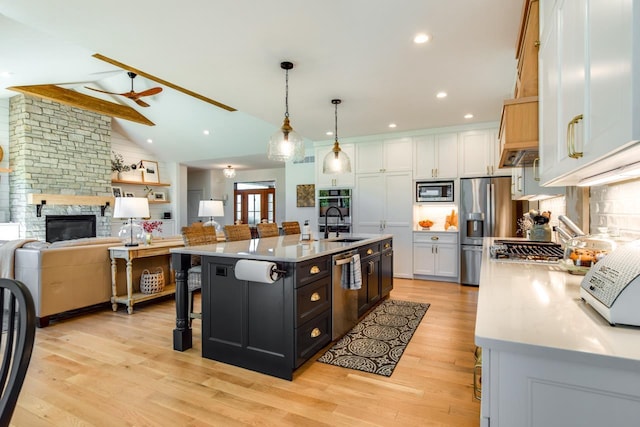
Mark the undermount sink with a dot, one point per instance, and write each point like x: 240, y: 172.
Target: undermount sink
x: 347, y: 239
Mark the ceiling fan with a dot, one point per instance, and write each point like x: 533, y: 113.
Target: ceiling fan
x: 134, y: 96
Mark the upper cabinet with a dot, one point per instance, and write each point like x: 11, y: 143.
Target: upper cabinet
x: 519, y: 121
x: 343, y: 180
x: 479, y: 154
x: 384, y: 156
x: 588, y: 64
x: 436, y: 156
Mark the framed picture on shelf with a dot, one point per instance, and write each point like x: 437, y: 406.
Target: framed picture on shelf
x: 150, y: 171
x: 127, y: 194
x: 117, y: 191
x: 159, y: 196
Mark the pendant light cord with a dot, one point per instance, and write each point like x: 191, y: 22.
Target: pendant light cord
x: 336, y: 133
x: 286, y: 91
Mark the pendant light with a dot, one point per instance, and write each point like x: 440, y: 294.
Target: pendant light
x: 286, y: 144
x: 336, y: 161
x: 229, y: 172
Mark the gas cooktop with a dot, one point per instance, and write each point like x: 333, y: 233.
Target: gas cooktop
x: 527, y: 251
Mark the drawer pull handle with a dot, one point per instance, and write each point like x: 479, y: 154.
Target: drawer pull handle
x: 369, y: 251
x: 315, y: 296
x: 435, y: 238
x: 315, y: 333
x: 387, y: 245
x: 314, y: 270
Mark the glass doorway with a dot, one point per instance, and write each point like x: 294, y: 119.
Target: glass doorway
x: 254, y: 201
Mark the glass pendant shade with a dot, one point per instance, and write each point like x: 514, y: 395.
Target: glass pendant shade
x: 336, y: 161
x: 229, y: 172
x: 286, y: 144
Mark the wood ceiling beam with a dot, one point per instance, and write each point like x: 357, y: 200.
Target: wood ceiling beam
x: 162, y: 82
x: 80, y: 100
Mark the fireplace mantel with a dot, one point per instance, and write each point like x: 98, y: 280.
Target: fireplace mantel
x: 68, y: 199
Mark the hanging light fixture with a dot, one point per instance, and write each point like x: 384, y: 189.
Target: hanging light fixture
x: 229, y: 172
x: 336, y: 161
x: 286, y: 144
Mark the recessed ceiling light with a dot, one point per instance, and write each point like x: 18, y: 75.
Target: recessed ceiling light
x: 421, y: 38
x: 329, y: 133
x: 150, y: 140
x: 441, y: 95
x: 392, y: 125
x: 206, y: 132
x: 468, y: 116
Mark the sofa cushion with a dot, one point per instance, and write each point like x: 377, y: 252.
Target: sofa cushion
x: 85, y: 242
x: 36, y: 245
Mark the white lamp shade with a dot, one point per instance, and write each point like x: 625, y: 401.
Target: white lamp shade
x: 211, y: 208
x: 131, y: 207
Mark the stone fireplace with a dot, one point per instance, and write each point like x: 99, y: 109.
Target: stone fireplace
x: 57, y: 149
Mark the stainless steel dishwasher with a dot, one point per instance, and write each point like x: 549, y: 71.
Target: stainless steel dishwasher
x: 345, y: 302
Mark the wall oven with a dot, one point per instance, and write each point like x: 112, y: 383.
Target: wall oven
x: 432, y: 191
x: 340, y: 200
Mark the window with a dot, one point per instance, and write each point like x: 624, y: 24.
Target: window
x: 255, y: 201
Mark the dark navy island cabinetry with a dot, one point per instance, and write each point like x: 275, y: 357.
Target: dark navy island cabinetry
x: 271, y: 328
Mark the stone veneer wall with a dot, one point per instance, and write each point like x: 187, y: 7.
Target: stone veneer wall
x: 57, y: 149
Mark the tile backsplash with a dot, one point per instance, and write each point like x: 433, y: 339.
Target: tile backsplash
x: 617, y: 207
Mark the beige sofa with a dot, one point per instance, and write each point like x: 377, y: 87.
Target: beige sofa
x: 73, y: 274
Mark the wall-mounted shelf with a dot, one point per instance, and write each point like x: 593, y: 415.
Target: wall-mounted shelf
x: 7, y: 170
x: 68, y: 199
x: 159, y: 202
x: 150, y: 184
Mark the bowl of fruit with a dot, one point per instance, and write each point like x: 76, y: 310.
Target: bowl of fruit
x: 425, y: 224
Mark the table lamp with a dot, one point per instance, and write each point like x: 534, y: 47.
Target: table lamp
x: 131, y: 207
x: 211, y: 208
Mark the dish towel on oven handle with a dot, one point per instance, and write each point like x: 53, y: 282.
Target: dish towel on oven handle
x: 351, y: 278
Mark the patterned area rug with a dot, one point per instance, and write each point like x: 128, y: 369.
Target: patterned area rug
x: 377, y: 342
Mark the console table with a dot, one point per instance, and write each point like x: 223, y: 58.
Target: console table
x: 130, y: 253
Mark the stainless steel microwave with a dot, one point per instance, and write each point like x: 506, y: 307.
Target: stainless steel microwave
x: 431, y: 191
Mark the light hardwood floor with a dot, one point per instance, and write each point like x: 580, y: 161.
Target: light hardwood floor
x: 114, y: 369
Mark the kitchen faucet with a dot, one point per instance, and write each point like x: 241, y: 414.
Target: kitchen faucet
x: 326, y: 227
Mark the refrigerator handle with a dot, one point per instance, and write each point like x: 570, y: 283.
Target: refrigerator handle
x: 491, y: 209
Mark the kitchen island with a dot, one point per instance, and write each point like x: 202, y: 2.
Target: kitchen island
x: 274, y: 327
x: 548, y: 358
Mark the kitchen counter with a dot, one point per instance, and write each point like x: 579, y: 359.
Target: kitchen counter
x: 544, y: 350
x: 275, y: 324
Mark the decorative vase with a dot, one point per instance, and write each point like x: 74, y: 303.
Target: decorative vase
x: 148, y: 238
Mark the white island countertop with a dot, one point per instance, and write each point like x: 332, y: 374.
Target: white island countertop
x: 283, y: 248
x: 536, y: 309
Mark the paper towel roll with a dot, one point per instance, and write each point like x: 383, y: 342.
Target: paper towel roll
x: 256, y: 271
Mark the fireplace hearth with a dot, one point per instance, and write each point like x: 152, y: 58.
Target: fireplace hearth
x: 68, y: 227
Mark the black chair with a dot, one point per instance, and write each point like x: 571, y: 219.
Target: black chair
x: 16, y: 342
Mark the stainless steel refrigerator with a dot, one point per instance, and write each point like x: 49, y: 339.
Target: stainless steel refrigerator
x: 486, y: 210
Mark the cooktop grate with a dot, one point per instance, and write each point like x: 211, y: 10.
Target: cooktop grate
x: 524, y: 250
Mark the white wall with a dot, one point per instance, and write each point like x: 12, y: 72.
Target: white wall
x: 617, y: 207
x: 300, y: 174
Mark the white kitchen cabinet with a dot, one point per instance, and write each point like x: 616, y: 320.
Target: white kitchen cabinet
x: 479, y: 154
x: 435, y: 156
x: 383, y: 203
x: 343, y: 180
x: 589, y: 55
x: 435, y: 254
x: 525, y: 183
x: 391, y: 155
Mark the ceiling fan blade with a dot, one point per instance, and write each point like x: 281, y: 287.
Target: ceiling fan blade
x: 141, y: 103
x: 149, y: 92
x: 103, y: 91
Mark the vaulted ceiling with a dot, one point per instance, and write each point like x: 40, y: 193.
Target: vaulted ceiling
x: 361, y: 51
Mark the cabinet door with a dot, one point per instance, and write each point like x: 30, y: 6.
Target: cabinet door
x: 344, y: 180
x: 447, y: 155
x: 425, y: 161
x: 397, y: 155
x: 368, y: 203
x: 370, y: 157
x: 371, y: 269
x: 549, y: 78
x: 446, y: 260
x: 475, y: 157
x: 424, y: 259
x: 398, y: 219
x: 517, y: 182
x: 386, y: 272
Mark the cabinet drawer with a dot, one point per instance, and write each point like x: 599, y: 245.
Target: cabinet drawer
x: 312, y: 336
x: 369, y: 250
x: 313, y: 299
x: 386, y: 245
x: 313, y: 269
x: 445, y: 237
